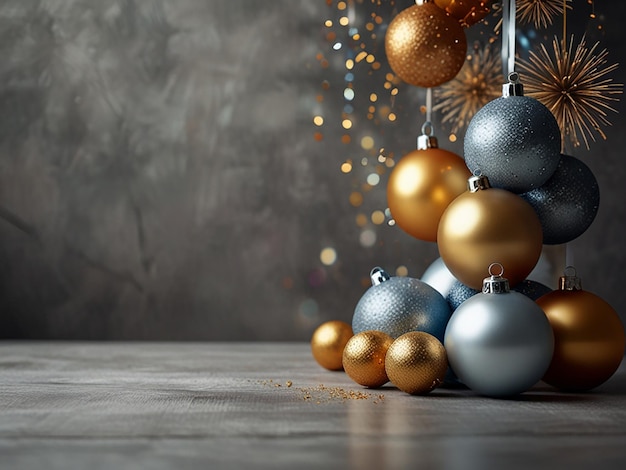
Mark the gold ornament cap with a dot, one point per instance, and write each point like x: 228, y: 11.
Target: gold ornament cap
x: 477, y: 182
x: 427, y: 140
x: 495, y: 283
x: 570, y: 281
x: 514, y: 87
x: 378, y: 275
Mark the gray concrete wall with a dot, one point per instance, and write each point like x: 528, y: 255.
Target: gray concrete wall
x: 159, y: 176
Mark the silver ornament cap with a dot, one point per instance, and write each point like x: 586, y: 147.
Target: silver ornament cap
x: 570, y: 281
x: 478, y: 182
x: 495, y: 283
x: 378, y: 275
x: 427, y: 140
x: 514, y: 87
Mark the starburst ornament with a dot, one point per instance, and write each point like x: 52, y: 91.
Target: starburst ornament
x: 540, y: 13
x: 573, y: 84
x: 477, y: 83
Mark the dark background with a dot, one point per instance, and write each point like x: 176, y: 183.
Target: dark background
x: 161, y: 176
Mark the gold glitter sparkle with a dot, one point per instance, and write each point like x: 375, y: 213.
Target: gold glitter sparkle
x: 321, y: 393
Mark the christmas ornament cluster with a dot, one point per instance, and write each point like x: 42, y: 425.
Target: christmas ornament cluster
x: 499, y: 342
x: 474, y: 318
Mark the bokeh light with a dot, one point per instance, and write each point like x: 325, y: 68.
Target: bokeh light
x: 402, y: 271
x: 328, y: 256
x: 367, y: 238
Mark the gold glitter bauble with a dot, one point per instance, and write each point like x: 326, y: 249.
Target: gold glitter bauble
x: 364, y: 358
x: 425, y: 46
x: 416, y: 362
x: 328, y: 341
x: 420, y: 188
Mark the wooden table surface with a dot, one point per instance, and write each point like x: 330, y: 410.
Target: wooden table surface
x: 269, y: 405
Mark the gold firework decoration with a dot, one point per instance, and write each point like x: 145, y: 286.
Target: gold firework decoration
x: 478, y: 82
x: 574, y: 85
x: 540, y: 13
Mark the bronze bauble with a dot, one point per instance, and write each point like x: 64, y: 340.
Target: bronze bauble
x: 425, y: 46
x: 468, y: 12
x: 589, y: 339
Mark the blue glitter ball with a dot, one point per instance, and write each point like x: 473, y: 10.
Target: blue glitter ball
x: 568, y: 203
x: 515, y: 141
x: 458, y: 294
x: 399, y: 305
x: 532, y: 289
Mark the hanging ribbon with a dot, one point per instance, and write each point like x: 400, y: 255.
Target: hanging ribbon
x: 426, y: 139
x: 508, y: 37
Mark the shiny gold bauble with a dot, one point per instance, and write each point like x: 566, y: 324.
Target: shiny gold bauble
x: 420, y: 188
x: 489, y: 226
x: 328, y: 341
x: 589, y: 339
x: 425, y: 46
x: 364, y: 358
x: 416, y: 362
x: 468, y: 12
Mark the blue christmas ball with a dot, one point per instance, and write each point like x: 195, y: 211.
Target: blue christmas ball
x: 397, y: 305
x: 458, y: 294
x: 567, y: 203
x: 515, y: 141
x: 532, y: 289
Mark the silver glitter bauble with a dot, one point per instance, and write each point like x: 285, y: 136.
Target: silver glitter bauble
x: 515, y: 141
x: 397, y: 305
x: 567, y: 203
x: 499, y: 343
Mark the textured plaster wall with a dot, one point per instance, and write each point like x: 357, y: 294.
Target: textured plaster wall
x: 159, y: 178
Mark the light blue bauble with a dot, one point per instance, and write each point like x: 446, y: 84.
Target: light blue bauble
x: 499, y: 343
x: 438, y: 275
x: 397, y: 305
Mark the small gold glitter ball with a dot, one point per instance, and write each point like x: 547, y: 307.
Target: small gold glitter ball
x: 416, y: 362
x: 364, y: 358
x: 328, y: 341
x: 425, y: 46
